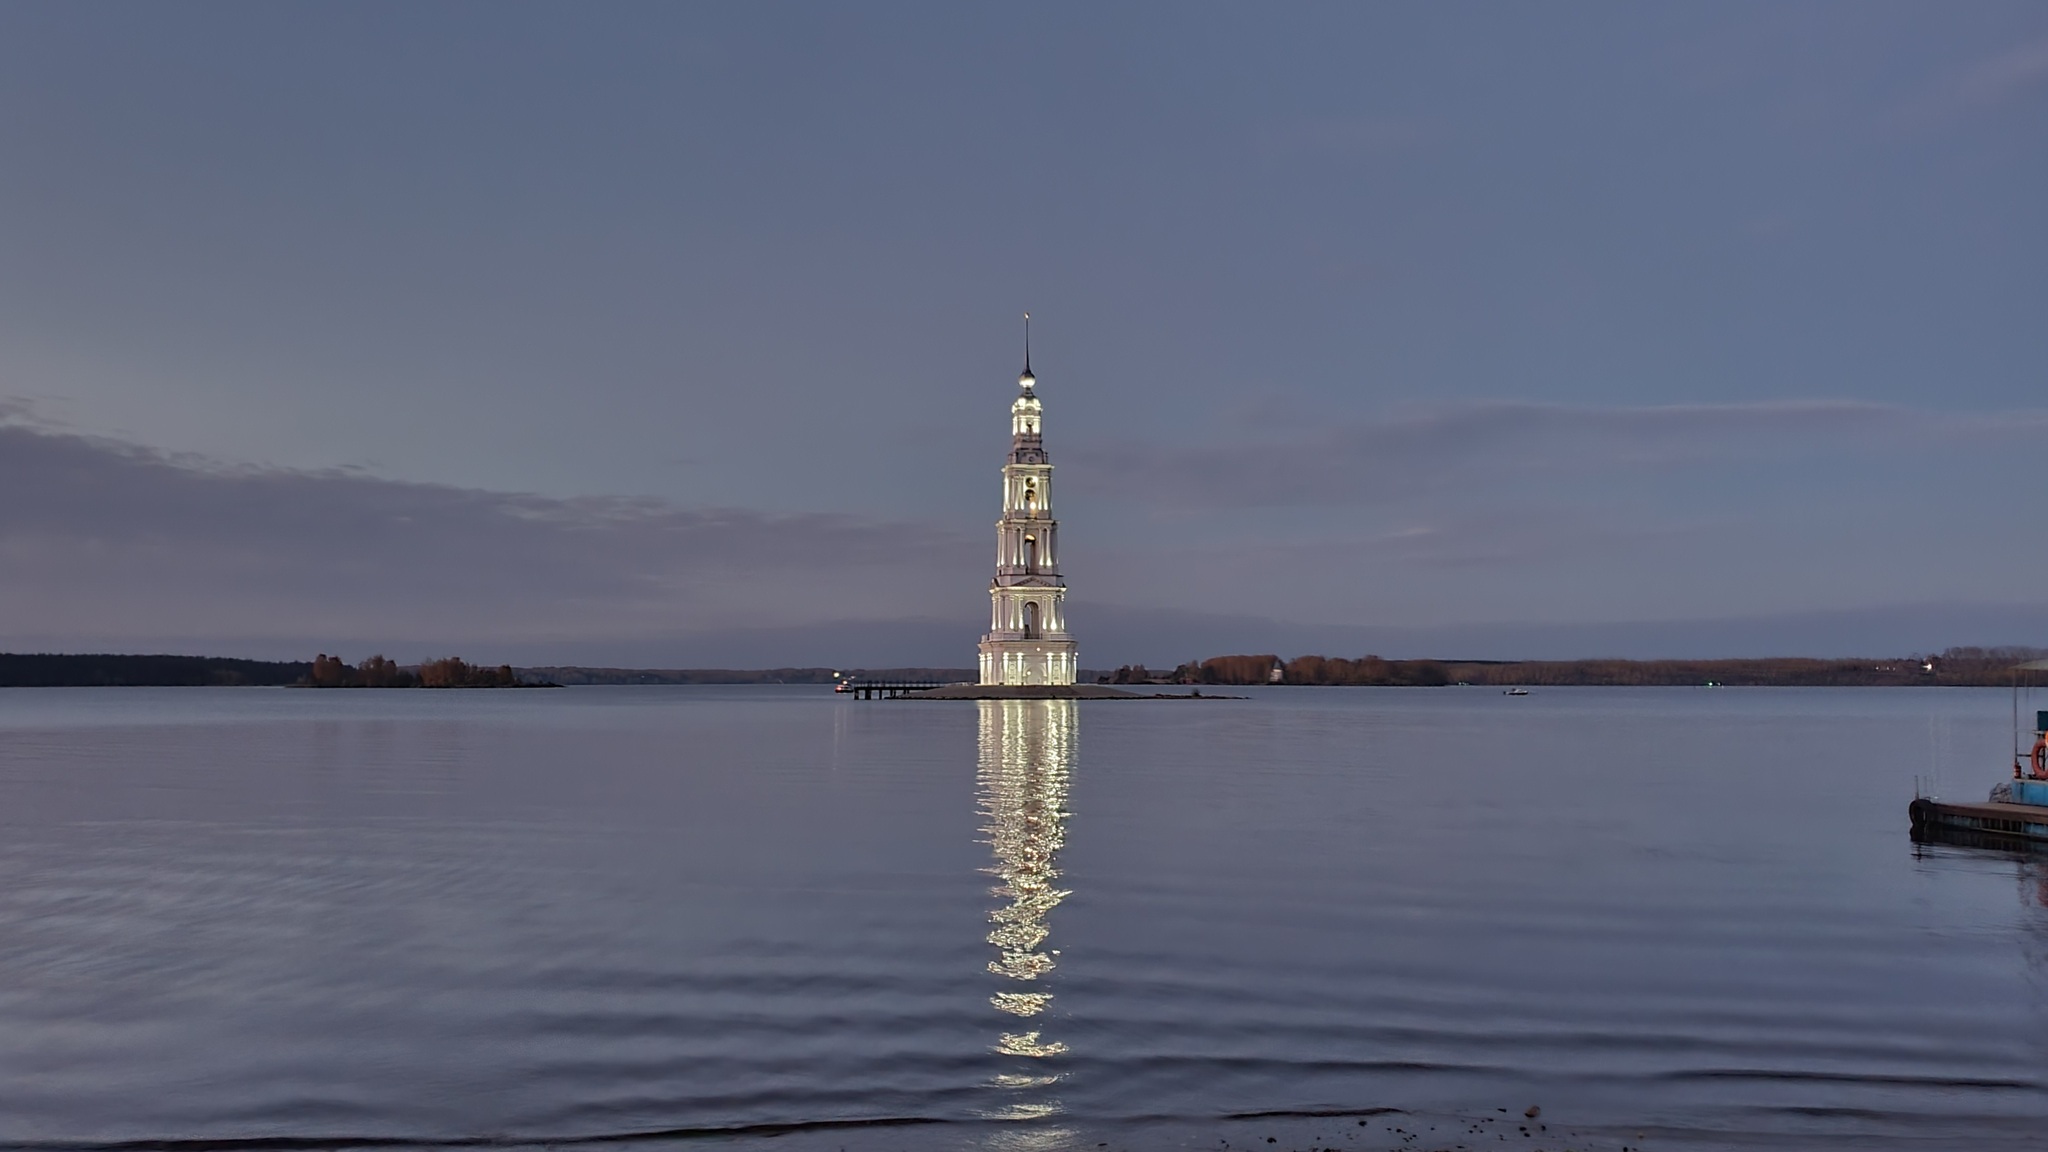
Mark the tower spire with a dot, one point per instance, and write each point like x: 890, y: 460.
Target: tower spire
x: 1027, y: 379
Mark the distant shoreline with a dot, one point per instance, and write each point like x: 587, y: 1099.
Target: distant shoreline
x: 115, y: 670
x: 1953, y: 668
x: 1957, y: 667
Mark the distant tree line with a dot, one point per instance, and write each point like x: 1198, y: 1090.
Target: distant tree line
x: 1956, y: 667
x: 380, y: 672
x: 50, y: 670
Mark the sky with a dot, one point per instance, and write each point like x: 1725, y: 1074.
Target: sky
x: 677, y: 335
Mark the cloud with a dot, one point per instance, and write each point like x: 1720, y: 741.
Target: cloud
x: 101, y: 540
x: 1990, y: 83
x: 2005, y: 76
x: 1474, y: 512
x: 1162, y: 638
x: 1351, y: 137
x: 1502, y: 448
x: 1486, y: 538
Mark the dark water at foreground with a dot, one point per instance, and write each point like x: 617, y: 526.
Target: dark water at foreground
x: 640, y: 917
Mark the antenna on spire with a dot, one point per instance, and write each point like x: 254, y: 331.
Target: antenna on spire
x: 1027, y: 343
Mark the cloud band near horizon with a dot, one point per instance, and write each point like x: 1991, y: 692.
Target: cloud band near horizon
x: 1443, y: 513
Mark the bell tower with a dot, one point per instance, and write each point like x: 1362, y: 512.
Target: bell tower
x: 1027, y: 641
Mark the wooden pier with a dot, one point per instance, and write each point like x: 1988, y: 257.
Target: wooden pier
x: 884, y: 689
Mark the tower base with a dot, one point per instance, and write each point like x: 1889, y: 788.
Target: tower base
x: 1029, y: 661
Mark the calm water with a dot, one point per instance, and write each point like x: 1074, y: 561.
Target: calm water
x: 1673, y: 918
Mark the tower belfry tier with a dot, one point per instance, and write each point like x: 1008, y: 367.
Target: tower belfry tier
x: 1027, y: 641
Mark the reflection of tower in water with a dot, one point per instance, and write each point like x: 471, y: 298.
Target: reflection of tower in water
x: 1027, y: 753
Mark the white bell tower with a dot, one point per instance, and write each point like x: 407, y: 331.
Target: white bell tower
x: 1027, y: 641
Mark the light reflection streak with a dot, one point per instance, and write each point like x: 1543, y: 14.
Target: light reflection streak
x: 1026, y: 758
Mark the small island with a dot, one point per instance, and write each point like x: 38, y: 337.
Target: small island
x: 381, y: 672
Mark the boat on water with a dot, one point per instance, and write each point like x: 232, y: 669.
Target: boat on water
x: 1516, y: 692
x: 2015, y: 815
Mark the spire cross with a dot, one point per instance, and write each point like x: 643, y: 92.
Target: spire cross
x: 1027, y: 343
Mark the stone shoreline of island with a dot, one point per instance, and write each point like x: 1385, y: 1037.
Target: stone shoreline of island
x: 1050, y: 692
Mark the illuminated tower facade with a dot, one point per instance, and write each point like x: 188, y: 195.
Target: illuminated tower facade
x: 1027, y: 641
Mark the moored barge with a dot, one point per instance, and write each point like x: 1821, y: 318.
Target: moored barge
x: 2016, y: 813
x: 1992, y: 821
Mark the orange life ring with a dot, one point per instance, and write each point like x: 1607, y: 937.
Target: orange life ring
x: 2041, y: 756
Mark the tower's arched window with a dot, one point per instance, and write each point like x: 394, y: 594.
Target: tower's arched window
x: 1031, y: 553
x: 1031, y: 620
